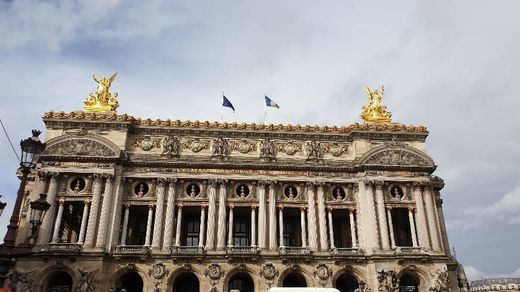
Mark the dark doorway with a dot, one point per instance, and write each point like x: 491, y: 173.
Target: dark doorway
x: 401, y: 222
x: 60, y: 282
x: 294, y: 280
x: 347, y: 283
x: 408, y: 283
x: 186, y: 282
x: 130, y: 282
x: 241, y: 282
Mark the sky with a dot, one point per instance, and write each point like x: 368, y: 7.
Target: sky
x: 449, y: 65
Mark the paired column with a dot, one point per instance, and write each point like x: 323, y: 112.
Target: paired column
x: 422, y: 228
x: 280, y: 226
x: 221, y: 233
x: 353, y: 234
x: 321, y: 218
x: 367, y: 215
x: 391, y: 226
x: 178, y: 227
x: 83, y: 227
x: 149, y: 226
x: 57, y: 224
x: 212, y: 197
x: 158, y: 223
x: 331, y: 230
x: 383, y: 229
x: 272, y: 216
x: 412, y: 226
x: 230, y: 227
x: 105, y: 212
x: 202, y: 225
x: 170, y: 210
x: 125, y: 224
x: 303, y: 227
x: 253, y: 226
x: 433, y: 224
x: 94, y: 210
x: 311, y: 217
x: 45, y: 228
x: 262, y: 216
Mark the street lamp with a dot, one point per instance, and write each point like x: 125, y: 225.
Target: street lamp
x: 2, y: 207
x: 38, y: 210
x: 31, y: 148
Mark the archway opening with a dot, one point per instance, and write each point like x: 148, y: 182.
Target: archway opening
x: 408, y: 283
x: 241, y: 282
x: 294, y: 279
x: 347, y: 282
x: 186, y: 282
x: 130, y: 282
x: 60, y: 282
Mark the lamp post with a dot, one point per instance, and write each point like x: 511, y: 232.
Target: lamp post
x: 31, y: 148
x: 39, y: 208
x: 2, y: 207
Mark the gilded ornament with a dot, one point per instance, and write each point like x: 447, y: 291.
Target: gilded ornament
x: 102, y: 100
x: 375, y: 112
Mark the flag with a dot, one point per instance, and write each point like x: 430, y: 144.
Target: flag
x: 270, y: 102
x: 227, y: 103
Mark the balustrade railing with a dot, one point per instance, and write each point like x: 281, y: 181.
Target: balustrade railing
x: 346, y: 251
x: 132, y: 249
x: 187, y: 250
x: 410, y: 250
x: 237, y: 250
x: 62, y: 247
x: 293, y: 250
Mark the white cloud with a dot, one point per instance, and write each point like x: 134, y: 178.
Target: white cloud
x: 473, y: 273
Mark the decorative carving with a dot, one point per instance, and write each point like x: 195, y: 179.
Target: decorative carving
x: 80, y: 147
x: 86, y: 280
x: 267, y: 149
x: 171, y: 147
x: 397, y: 154
x: 158, y: 271
x: 289, y: 148
x: 102, y: 100
x: 269, y: 272
x: 290, y: 192
x: 338, y: 194
x: 375, y: 112
x: 323, y: 273
x: 314, y: 151
x: 242, y: 146
x: 335, y: 149
x: 193, y: 190
x: 214, y: 272
x: 196, y: 145
x: 20, y: 281
x: 220, y: 147
x: 146, y: 143
x: 242, y: 191
x: 441, y: 281
x: 388, y: 281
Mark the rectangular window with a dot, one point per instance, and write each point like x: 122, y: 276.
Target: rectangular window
x: 241, y: 230
x: 401, y: 225
x: 136, y: 230
x: 292, y: 233
x: 341, y: 225
x: 70, y: 222
x: 191, y: 229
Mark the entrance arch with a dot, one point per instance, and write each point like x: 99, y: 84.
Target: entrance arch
x: 60, y: 281
x: 294, y: 279
x: 130, y: 281
x: 408, y: 283
x: 186, y: 282
x: 241, y: 282
x: 347, y: 282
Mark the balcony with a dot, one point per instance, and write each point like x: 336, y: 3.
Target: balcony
x: 409, y: 250
x: 188, y: 251
x: 294, y: 251
x: 242, y: 250
x: 347, y: 251
x: 62, y: 248
x: 132, y: 250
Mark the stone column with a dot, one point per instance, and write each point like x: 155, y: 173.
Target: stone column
x: 381, y: 214
x: 412, y: 227
x: 352, y: 227
x: 94, y: 209
x: 432, y: 222
x: 212, y: 196
x: 311, y: 217
x: 45, y: 228
x: 125, y: 224
x: 83, y: 227
x: 149, y: 226
x: 105, y: 213
x: 170, y: 210
x: 280, y: 225
x: 322, y: 218
x: 391, y: 226
x: 367, y: 216
x: 422, y: 229
x: 158, y: 222
x: 178, y: 226
x: 221, y: 232
x: 331, y: 230
x: 272, y: 216
x: 230, y: 227
x: 262, y: 216
x: 57, y: 224
x: 253, y: 226
x: 303, y: 227
x: 202, y: 225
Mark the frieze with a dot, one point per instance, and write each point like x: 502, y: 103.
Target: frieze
x: 289, y: 148
x: 79, y: 147
x: 220, y: 147
x: 242, y: 146
x: 267, y: 150
x: 397, y: 154
x: 146, y: 143
x: 335, y: 149
x: 171, y: 147
x: 314, y: 150
x: 196, y: 145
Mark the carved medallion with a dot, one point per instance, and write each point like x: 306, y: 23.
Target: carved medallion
x: 322, y: 273
x: 158, y: 271
x: 289, y: 148
x: 269, y: 272
x: 196, y: 145
x: 214, y: 272
x: 242, y: 146
x: 336, y: 150
x: 146, y: 143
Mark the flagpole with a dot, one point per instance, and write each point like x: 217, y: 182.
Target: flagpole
x: 222, y: 109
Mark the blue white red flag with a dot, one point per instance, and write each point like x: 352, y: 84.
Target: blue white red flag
x: 270, y: 102
x: 227, y: 103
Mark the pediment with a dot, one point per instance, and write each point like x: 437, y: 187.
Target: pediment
x: 81, y: 145
x: 396, y: 155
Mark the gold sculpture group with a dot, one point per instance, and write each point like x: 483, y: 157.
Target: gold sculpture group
x: 105, y: 101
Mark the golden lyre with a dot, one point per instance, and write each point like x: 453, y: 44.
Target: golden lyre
x: 102, y: 100
x: 375, y: 112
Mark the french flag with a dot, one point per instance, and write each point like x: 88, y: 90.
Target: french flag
x: 270, y: 102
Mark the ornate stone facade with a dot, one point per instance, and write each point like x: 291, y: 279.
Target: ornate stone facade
x: 169, y: 204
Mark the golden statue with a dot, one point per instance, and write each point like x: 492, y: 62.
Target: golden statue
x: 375, y: 112
x: 102, y: 100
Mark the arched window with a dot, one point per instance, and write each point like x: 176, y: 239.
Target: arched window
x: 408, y: 283
x: 347, y: 283
x: 186, y: 282
x: 130, y: 282
x: 241, y: 282
x: 59, y: 282
x: 294, y: 279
